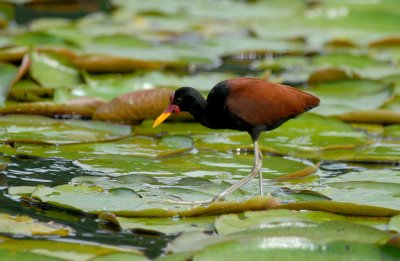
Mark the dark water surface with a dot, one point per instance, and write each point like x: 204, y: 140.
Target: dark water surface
x: 26, y: 171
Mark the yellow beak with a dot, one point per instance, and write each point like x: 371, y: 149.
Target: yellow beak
x: 161, y: 118
x: 172, y: 108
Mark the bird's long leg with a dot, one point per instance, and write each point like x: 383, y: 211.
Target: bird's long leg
x: 254, y: 172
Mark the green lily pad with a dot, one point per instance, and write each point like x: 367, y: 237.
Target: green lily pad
x: 339, y: 97
x: 304, y: 249
x: 392, y: 132
x: 362, y: 65
x: 311, y: 134
x: 393, y: 104
x: 39, y: 129
x: 52, y: 70
x: 307, y: 136
x: 112, y: 156
x: 394, y: 224
x: 227, y: 224
x: 38, y: 39
x: 12, y: 255
x: 109, y: 86
x: 7, y: 75
x: 329, y: 232
x: 393, y: 79
x: 382, y: 152
x: 167, y: 226
x: 27, y: 90
x: 299, y: 68
x: 54, y: 250
x: 376, y: 188
x: 128, y: 203
x: 25, y: 225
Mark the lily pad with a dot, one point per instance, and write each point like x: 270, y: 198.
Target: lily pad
x: 38, y: 38
x: 81, y: 107
x: 311, y: 134
x: 7, y: 74
x: 394, y: 223
x: 25, y: 225
x: 304, y: 249
x: 380, y: 116
x: 39, y: 129
x: 339, y: 97
x: 130, y: 204
x: 392, y: 132
x: 325, y: 233
x: 120, y: 257
x: 345, y: 208
x: 54, y: 250
x: 134, y: 107
x: 375, y: 188
x: 227, y: 224
x: 167, y: 225
x: 27, y: 90
x: 52, y: 70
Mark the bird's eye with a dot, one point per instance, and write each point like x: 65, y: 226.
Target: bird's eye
x: 178, y: 100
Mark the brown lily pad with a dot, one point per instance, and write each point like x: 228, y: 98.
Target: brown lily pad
x: 371, y: 116
x: 340, y: 43
x: 103, y: 63
x: 83, y: 107
x: 341, y: 208
x: 23, y: 68
x: 386, y: 42
x: 134, y: 107
x: 13, y: 54
x: 331, y: 74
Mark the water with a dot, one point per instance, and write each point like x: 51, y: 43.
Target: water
x: 32, y: 171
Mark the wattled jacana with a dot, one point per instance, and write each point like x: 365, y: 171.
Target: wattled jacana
x: 243, y: 104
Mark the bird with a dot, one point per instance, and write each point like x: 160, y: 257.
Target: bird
x: 243, y: 104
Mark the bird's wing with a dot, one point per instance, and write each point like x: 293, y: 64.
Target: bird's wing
x: 258, y: 102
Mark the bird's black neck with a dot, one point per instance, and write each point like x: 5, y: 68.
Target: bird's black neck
x: 211, y: 113
x: 199, y: 111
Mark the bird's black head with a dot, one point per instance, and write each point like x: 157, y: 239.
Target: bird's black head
x: 184, y: 99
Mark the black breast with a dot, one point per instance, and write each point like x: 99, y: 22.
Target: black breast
x: 218, y: 114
